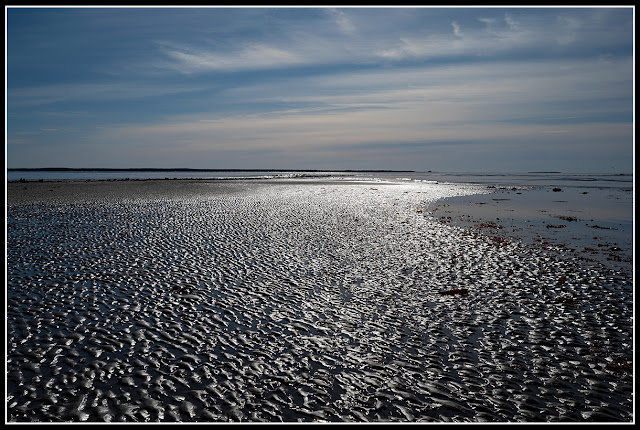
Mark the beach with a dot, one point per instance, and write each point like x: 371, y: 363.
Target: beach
x: 329, y: 300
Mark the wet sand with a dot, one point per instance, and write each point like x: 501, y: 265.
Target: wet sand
x: 300, y: 300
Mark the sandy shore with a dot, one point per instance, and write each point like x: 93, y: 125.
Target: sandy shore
x: 31, y: 192
x: 300, y: 300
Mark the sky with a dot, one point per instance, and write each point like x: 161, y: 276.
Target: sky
x: 456, y: 89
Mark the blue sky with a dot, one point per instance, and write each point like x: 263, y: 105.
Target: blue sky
x: 442, y: 89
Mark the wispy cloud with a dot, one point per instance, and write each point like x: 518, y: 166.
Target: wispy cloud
x: 456, y: 29
x: 249, y: 57
x: 474, y: 103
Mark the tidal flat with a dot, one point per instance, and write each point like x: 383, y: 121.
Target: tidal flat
x: 299, y: 300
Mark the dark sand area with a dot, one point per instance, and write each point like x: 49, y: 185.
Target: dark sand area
x: 306, y: 300
x: 29, y: 192
x: 115, y: 190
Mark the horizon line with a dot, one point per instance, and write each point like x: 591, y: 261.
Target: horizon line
x: 184, y: 169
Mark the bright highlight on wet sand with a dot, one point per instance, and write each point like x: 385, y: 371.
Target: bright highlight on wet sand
x: 300, y: 300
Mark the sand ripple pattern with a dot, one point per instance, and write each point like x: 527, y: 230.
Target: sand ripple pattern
x: 314, y: 302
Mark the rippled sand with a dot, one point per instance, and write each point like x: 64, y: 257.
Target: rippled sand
x: 298, y: 301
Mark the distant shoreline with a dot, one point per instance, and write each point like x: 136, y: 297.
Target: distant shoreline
x: 179, y: 169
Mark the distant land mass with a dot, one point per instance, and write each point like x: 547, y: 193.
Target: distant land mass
x: 181, y: 169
